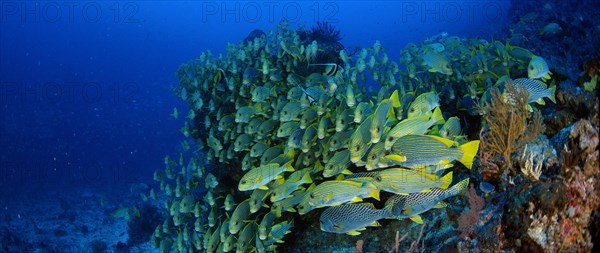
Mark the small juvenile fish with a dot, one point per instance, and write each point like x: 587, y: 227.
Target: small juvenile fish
x: 437, y: 62
x: 360, y: 141
x: 382, y: 114
x: 339, y: 163
x: 538, y: 68
x: 423, y: 104
x: 290, y: 111
x: 260, y: 176
x: 414, y: 125
x: 239, y: 215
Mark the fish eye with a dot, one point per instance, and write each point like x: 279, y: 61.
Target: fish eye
x: 530, y: 67
x: 334, y: 142
x: 312, y: 195
x: 378, y: 178
x: 244, y: 182
x: 391, y: 138
x: 343, y: 122
x: 357, y: 148
x: 373, y: 157
x: 285, y: 112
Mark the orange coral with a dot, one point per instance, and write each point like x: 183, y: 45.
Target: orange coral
x: 510, y: 126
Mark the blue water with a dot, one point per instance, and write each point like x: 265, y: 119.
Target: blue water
x: 86, y: 87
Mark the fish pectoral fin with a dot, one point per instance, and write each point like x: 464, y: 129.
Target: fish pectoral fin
x: 346, y: 172
x: 440, y: 204
x: 417, y: 219
x: 264, y: 187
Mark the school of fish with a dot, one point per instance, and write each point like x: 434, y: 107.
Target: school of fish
x: 275, y: 135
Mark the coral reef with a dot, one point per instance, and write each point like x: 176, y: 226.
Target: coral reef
x: 510, y: 127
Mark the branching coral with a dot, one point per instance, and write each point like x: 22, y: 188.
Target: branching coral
x: 510, y: 126
x: 325, y: 32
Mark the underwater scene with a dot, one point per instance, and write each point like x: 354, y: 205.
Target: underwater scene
x: 299, y: 126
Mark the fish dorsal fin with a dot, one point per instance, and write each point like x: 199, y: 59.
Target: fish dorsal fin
x: 356, y: 199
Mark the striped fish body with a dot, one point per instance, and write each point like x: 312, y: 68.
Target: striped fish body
x: 411, y: 205
x: 331, y: 193
x: 349, y: 218
x: 418, y: 151
x: 406, y: 181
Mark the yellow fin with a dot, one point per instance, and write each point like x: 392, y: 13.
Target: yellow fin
x: 552, y: 89
x: 356, y: 199
x: 394, y: 99
x: 540, y: 101
x: 354, y: 232
x: 279, y: 180
x: 446, y: 180
x: 264, y: 187
x: 346, y: 172
x: 288, y: 166
x: 469, y: 152
x: 440, y: 204
x: 306, y: 178
x: 375, y: 224
x: 374, y: 194
x: 397, y: 158
x: 447, y: 142
x: 417, y: 219
x: 437, y: 117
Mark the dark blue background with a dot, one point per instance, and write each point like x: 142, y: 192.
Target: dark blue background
x: 86, y: 87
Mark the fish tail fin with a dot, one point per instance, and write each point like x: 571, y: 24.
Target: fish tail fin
x: 446, y: 180
x: 469, y: 152
x: 552, y: 90
x: 374, y: 193
x: 306, y: 178
x: 289, y: 167
x: 395, y: 100
x: 437, y: 117
x: 458, y: 187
